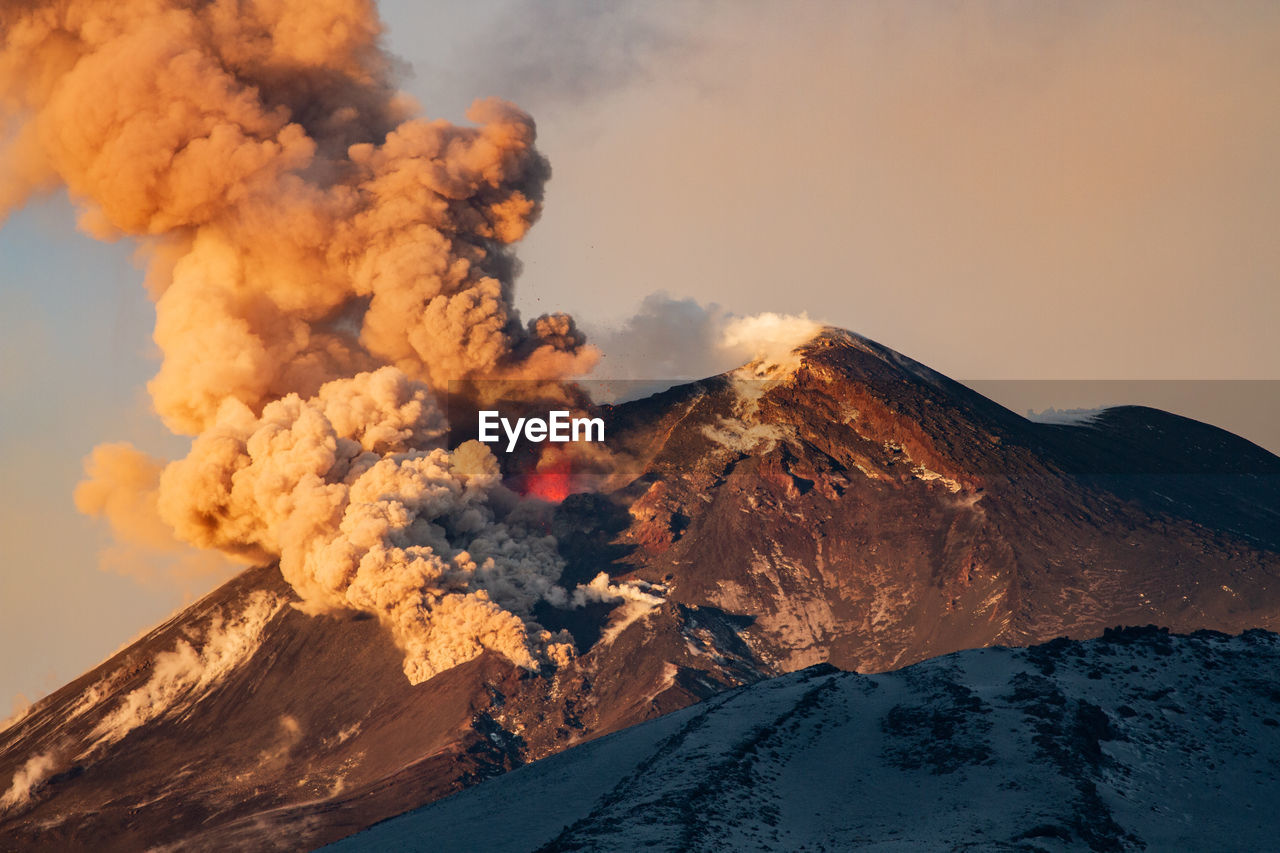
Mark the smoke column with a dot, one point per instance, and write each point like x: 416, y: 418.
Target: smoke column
x: 323, y: 262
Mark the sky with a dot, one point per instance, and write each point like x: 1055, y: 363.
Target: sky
x: 1053, y: 193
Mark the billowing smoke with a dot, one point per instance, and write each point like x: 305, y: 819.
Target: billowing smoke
x: 302, y: 227
x: 673, y: 339
x: 123, y: 487
x: 769, y: 341
x: 339, y: 488
x: 323, y: 264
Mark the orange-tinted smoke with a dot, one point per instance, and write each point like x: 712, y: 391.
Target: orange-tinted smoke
x: 310, y: 227
x: 322, y: 261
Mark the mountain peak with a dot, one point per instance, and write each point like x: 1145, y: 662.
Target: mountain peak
x: 857, y: 509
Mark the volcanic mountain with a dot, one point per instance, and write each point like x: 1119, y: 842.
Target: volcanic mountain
x: 843, y: 505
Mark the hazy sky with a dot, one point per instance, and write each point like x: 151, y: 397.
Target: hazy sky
x: 1000, y: 190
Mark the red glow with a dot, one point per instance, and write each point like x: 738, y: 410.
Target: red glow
x: 552, y: 483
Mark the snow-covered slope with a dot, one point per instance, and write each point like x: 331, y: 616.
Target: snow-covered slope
x: 1137, y: 740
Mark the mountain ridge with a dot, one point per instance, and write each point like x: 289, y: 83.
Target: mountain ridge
x: 1125, y: 742
x: 852, y: 508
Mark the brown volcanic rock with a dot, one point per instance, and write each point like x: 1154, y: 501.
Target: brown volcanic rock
x: 871, y: 513
x: 861, y: 510
x: 320, y: 711
x: 316, y: 733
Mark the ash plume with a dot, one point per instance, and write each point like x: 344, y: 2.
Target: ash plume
x: 670, y: 338
x: 323, y: 263
x: 123, y: 488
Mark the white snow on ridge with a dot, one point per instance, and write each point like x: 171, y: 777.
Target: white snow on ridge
x: 1131, y: 741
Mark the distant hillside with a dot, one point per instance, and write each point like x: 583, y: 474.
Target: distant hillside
x: 1137, y: 741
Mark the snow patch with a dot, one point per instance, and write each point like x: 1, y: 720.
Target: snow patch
x: 920, y: 472
x: 741, y: 437
x: 665, y: 681
x: 349, y: 732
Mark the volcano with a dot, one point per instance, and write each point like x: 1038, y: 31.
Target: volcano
x: 845, y: 506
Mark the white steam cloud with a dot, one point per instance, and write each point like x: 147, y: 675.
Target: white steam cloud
x: 29, y: 776
x: 637, y: 599
x: 673, y: 339
x: 769, y: 341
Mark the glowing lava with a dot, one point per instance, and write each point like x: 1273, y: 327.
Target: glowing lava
x: 552, y: 481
